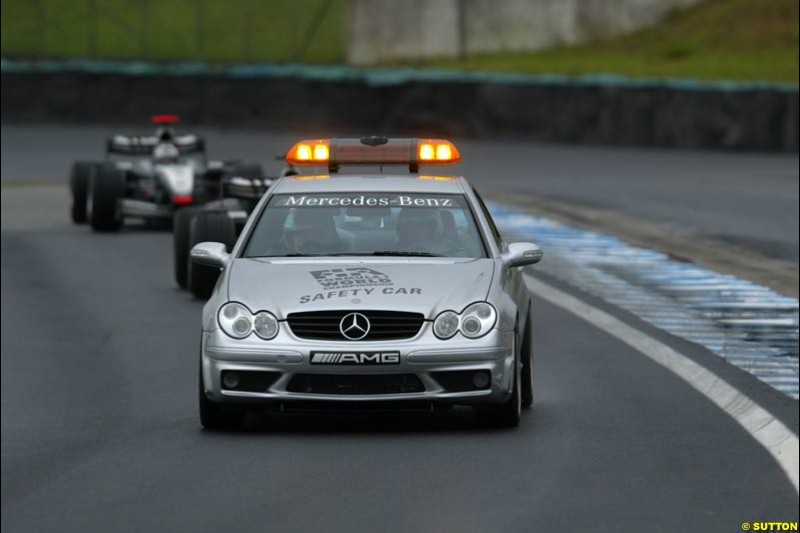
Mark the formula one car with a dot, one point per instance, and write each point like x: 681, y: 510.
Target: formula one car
x: 218, y: 220
x: 364, y: 291
x: 150, y: 177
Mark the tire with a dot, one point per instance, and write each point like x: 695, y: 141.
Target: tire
x: 526, y: 355
x: 289, y: 171
x: 180, y: 243
x: 509, y: 413
x: 211, y: 226
x: 216, y: 416
x: 79, y: 190
x: 106, y: 189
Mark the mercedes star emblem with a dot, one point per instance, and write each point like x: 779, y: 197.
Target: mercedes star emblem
x: 354, y: 326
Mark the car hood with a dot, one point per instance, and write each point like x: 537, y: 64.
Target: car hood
x: 285, y: 286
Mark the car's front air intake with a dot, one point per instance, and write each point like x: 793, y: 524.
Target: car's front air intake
x: 354, y: 384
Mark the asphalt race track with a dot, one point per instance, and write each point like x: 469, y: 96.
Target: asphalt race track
x: 100, y: 431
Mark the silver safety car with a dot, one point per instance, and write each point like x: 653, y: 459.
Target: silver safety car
x: 367, y: 291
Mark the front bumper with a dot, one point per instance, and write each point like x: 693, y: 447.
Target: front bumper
x: 424, y: 357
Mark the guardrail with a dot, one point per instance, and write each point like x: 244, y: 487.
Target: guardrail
x: 594, y: 109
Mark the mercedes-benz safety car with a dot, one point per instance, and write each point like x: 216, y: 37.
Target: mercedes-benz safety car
x: 368, y: 290
x: 151, y: 177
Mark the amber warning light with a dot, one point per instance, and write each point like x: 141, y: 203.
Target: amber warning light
x: 373, y: 151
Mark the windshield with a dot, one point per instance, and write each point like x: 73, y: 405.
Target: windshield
x: 402, y: 224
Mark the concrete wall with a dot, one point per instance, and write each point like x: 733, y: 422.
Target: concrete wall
x: 386, y: 30
x: 703, y: 116
x: 380, y: 30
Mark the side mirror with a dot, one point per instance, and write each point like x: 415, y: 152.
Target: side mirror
x: 522, y: 254
x: 211, y: 254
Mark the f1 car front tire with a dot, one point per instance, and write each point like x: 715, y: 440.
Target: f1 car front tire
x: 208, y: 226
x: 79, y: 189
x: 106, y: 189
x: 180, y: 243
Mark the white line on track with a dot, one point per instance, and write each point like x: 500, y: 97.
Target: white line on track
x: 771, y: 433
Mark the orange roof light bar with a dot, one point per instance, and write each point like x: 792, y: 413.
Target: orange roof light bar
x: 373, y: 151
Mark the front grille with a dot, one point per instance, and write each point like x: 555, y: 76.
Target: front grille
x: 384, y: 325
x: 355, y: 384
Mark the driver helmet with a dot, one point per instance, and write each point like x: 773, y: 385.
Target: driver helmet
x: 165, y: 152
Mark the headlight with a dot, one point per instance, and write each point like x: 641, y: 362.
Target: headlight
x: 477, y: 320
x: 238, y: 322
x: 235, y: 320
x: 445, y: 325
x: 265, y: 325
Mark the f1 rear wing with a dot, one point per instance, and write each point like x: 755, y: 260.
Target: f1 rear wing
x: 142, y: 145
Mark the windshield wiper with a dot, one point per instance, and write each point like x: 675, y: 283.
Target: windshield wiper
x: 411, y: 254
x: 301, y: 255
x: 395, y: 253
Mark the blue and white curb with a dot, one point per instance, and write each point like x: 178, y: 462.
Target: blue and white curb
x: 750, y: 326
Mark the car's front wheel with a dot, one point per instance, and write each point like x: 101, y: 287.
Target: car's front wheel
x: 106, y: 191
x: 79, y: 190
x: 216, y: 416
x: 181, y: 226
x: 509, y: 413
x: 208, y: 226
x: 526, y: 356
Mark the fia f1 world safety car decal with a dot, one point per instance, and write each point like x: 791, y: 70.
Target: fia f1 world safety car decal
x: 346, y: 278
x: 354, y: 282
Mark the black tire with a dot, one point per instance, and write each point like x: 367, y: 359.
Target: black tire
x: 216, y: 416
x: 526, y: 355
x: 507, y: 414
x: 180, y: 243
x: 106, y: 189
x: 79, y: 190
x: 289, y: 171
x: 211, y: 226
